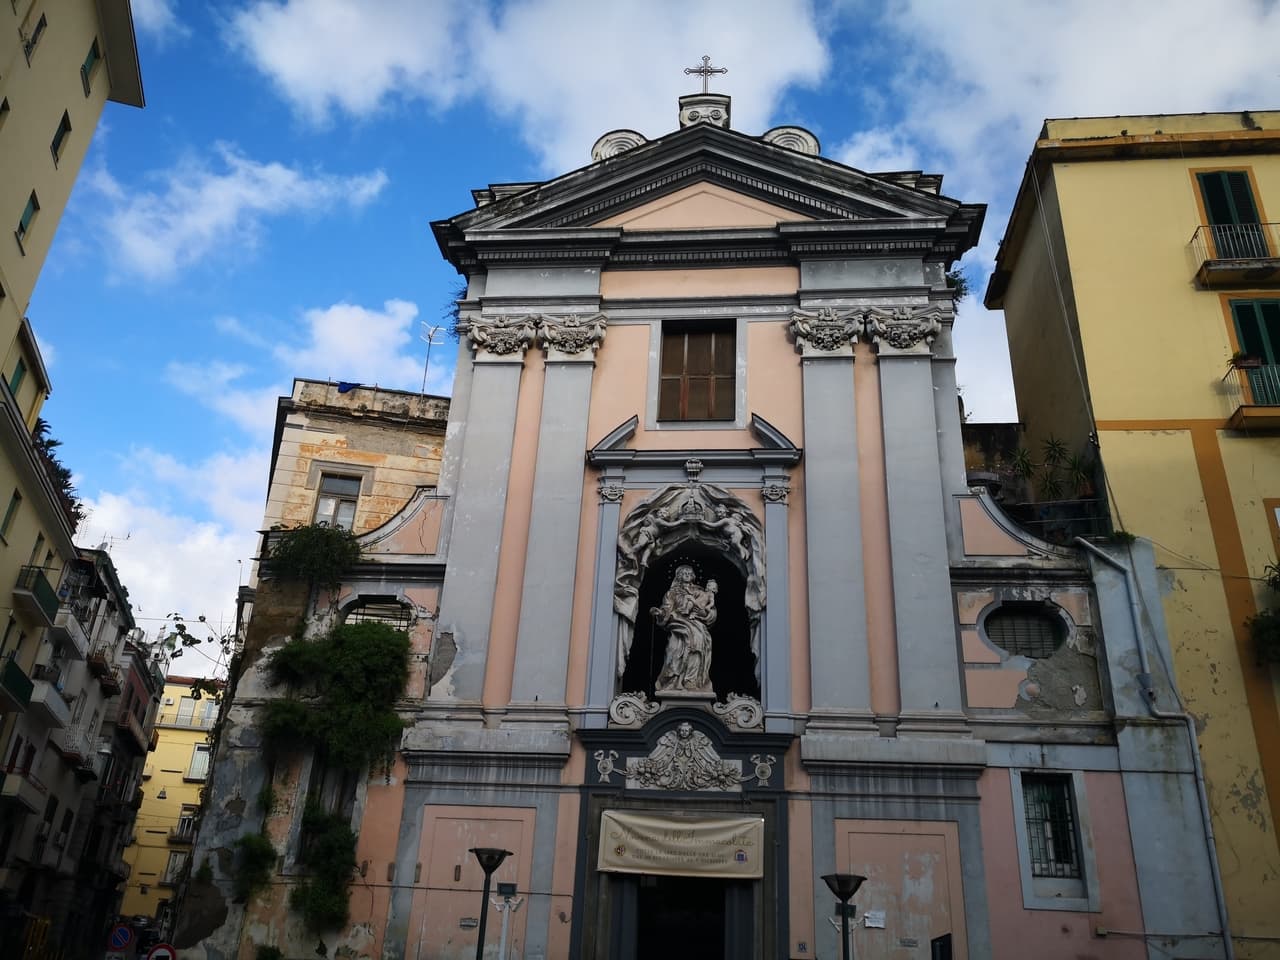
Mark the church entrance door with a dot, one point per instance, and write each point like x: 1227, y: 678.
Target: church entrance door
x: 680, y: 918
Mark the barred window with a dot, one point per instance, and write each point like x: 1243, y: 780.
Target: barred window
x: 388, y: 610
x: 1026, y: 629
x: 1052, y: 840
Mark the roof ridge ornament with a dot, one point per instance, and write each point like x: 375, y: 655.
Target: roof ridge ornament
x: 706, y: 71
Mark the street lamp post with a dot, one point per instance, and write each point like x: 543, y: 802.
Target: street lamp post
x: 490, y: 858
x: 844, y: 886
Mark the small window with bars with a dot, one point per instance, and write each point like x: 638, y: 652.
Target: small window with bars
x: 387, y: 610
x: 1026, y: 629
x: 696, y: 381
x: 1052, y: 840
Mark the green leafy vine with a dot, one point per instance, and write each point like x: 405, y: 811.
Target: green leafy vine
x: 330, y: 857
x: 318, y: 553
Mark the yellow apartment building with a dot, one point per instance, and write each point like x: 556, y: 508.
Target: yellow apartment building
x: 1139, y: 276
x: 60, y: 62
x: 172, y: 782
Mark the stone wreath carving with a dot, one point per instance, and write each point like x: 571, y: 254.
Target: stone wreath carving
x: 684, y: 759
x: 744, y: 713
x: 503, y: 336
x: 631, y: 709
x: 695, y: 512
x: 571, y: 334
x: 825, y: 329
x: 904, y: 327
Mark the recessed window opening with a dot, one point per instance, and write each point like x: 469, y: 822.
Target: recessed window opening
x: 387, y: 610
x: 86, y: 69
x: 1026, y: 629
x: 60, y: 137
x: 336, y: 503
x: 696, y: 381
x: 1049, y: 810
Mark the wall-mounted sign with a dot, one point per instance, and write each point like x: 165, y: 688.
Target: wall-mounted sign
x: 674, y: 846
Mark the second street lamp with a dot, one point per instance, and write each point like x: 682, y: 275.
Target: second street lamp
x: 490, y: 859
x: 844, y: 886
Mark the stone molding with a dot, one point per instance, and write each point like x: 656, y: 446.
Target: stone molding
x: 904, y: 329
x: 828, y: 332
x: 567, y: 336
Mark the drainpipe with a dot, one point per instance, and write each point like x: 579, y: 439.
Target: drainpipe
x: 1149, y: 698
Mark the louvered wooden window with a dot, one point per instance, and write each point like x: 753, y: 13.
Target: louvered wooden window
x: 697, y: 374
x: 1233, y: 216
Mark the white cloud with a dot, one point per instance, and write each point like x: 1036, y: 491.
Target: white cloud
x: 215, y: 384
x: 200, y: 206
x: 157, y: 19
x: 565, y: 71
x: 349, y: 342
x: 877, y: 151
x: 373, y: 51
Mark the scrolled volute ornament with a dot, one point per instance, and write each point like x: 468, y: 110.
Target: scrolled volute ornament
x: 825, y: 329
x: 502, y: 336
x: 744, y: 713
x: 904, y: 328
x: 573, y: 334
x: 631, y: 709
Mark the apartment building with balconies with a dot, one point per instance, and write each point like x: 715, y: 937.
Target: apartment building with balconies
x: 1140, y: 281
x: 173, y: 783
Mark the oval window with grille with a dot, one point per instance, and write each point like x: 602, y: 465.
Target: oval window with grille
x: 1026, y: 629
x: 388, y: 610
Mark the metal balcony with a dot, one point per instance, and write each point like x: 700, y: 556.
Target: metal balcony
x: 1231, y: 254
x: 15, y: 685
x: 22, y: 788
x: 34, y: 596
x: 1253, y: 390
x: 73, y: 744
x: 69, y: 630
x: 47, y: 705
x: 184, y: 834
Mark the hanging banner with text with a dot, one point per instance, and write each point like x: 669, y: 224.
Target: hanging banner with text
x: 681, y: 846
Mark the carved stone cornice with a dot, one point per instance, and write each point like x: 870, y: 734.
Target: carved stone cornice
x: 574, y: 335
x: 505, y: 337
x: 904, y: 329
x: 826, y: 331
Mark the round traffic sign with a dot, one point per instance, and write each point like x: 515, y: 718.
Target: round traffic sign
x: 162, y: 951
x: 121, y: 936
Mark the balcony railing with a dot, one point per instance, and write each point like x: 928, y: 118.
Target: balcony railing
x: 15, y: 685
x: 73, y: 743
x: 69, y: 630
x: 173, y: 718
x: 1253, y: 392
x: 1233, y: 253
x: 184, y: 833
x: 34, y: 595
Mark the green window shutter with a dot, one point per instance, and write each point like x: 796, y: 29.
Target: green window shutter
x: 1228, y: 197
x: 1258, y: 328
x: 15, y: 381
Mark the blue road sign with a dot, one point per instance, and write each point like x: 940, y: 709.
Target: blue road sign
x: 121, y: 936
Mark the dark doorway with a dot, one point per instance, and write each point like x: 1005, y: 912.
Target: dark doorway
x: 680, y: 918
x: 733, y: 666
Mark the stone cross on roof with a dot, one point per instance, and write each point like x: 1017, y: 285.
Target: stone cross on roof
x: 706, y: 72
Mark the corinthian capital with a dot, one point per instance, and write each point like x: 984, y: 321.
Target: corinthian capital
x: 904, y: 328
x: 501, y: 336
x: 825, y: 330
x: 573, y: 334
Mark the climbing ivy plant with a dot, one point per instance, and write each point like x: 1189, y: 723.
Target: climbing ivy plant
x: 344, y: 688
x: 330, y: 857
x: 318, y: 553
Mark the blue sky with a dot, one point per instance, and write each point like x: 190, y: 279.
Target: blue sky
x: 267, y: 214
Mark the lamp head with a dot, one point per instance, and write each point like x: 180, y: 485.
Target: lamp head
x: 843, y: 885
x: 490, y: 858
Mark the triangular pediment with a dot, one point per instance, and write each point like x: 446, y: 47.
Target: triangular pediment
x: 694, y: 177
x: 702, y: 206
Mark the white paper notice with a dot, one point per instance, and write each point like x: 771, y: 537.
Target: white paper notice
x: 873, y: 918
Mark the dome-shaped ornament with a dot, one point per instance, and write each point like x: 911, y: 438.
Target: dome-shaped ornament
x: 794, y: 138
x: 615, y: 142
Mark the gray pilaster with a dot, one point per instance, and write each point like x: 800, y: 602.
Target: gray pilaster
x: 837, y: 597
x: 775, y: 653
x: 479, y: 506
x: 928, y: 667
x: 546, y: 606
x: 603, y: 658
x: 950, y: 443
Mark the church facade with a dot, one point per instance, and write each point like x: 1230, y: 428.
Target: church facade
x: 702, y: 609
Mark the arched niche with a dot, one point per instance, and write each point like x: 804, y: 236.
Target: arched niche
x: 710, y: 529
